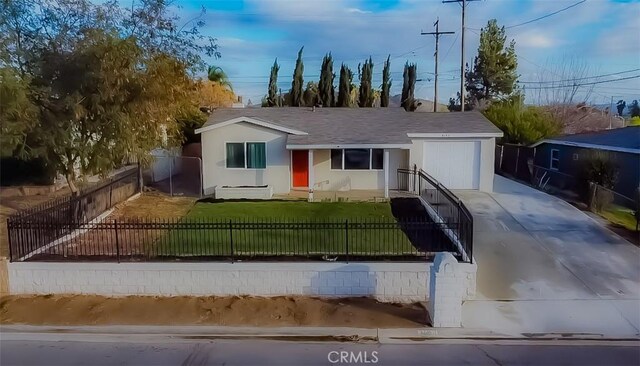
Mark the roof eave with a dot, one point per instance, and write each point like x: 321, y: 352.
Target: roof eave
x: 347, y: 146
x: 455, y: 134
x: 588, y: 146
x: 253, y: 121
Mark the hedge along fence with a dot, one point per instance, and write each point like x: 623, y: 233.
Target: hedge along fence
x: 53, y: 218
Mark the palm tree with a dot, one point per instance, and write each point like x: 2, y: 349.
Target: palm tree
x: 217, y: 75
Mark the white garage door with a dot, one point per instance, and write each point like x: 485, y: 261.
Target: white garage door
x: 456, y: 164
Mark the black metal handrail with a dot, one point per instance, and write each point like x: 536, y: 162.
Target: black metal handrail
x: 446, y: 207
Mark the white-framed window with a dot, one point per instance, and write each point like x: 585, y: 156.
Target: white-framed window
x: 555, y: 159
x: 246, y: 155
x: 357, y: 159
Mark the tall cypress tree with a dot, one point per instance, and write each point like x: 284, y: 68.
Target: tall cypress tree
x: 386, y: 83
x: 326, y: 93
x: 344, y: 86
x: 273, y: 99
x: 296, y: 85
x: 408, y: 86
x: 366, y: 97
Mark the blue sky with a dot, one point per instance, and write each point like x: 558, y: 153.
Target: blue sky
x: 593, y: 38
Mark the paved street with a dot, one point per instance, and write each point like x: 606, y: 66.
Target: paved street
x: 251, y: 352
x: 546, y: 267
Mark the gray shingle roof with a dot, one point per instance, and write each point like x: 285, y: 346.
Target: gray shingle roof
x: 359, y: 125
x: 628, y: 137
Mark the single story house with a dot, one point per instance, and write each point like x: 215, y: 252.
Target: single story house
x: 339, y: 149
x: 564, y: 157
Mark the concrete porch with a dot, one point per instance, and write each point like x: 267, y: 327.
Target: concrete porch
x: 355, y: 195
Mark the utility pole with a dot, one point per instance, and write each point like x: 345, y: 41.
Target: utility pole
x: 437, y: 33
x: 463, y: 3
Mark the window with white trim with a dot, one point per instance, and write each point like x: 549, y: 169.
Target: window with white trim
x: 246, y: 155
x: 357, y: 159
x: 555, y: 159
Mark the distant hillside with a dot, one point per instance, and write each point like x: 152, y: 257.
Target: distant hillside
x: 426, y: 105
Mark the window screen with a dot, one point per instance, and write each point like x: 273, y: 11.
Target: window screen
x: 256, y: 155
x: 377, y: 158
x: 336, y: 158
x: 356, y: 159
x: 235, y: 155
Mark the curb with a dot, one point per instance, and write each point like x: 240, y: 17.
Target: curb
x: 155, y: 334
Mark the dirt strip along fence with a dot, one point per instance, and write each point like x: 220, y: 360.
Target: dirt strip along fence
x: 50, y: 221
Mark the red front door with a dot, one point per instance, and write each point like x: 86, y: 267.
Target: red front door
x: 300, y: 168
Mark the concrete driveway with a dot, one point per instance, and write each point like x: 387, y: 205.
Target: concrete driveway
x: 545, y: 266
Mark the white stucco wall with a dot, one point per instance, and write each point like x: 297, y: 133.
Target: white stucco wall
x: 487, y: 164
x: 487, y: 153
x: 327, y: 179
x: 278, y: 172
x: 216, y: 173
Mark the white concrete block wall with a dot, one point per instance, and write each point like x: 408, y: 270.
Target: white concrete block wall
x: 391, y: 282
x: 450, y: 283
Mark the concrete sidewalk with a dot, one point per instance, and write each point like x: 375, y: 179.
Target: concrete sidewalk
x: 546, y: 267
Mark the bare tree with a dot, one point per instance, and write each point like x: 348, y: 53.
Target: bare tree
x: 563, y: 87
x: 562, y: 81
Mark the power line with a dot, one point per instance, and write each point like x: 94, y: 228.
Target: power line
x: 582, y: 84
x: 450, y: 47
x: 542, y: 17
x: 546, y: 16
x: 311, y: 76
x: 582, y: 78
x: 437, y: 33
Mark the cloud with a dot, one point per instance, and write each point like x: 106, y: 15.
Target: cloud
x: 353, y: 30
x: 536, y: 40
x: 359, y: 11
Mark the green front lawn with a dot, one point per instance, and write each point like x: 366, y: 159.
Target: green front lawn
x: 290, y: 210
x: 620, y: 215
x: 284, y: 228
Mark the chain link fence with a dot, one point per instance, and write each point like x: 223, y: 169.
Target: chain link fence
x: 175, y: 175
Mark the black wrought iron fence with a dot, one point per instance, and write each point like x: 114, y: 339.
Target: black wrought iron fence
x: 180, y: 239
x: 444, y: 207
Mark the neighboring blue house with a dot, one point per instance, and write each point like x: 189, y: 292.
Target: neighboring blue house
x: 563, y: 157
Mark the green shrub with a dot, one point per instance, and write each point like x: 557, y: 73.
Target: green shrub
x: 598, y: 168
x: 522, y: 124
x: 601, y: 169
x: 189, y: 121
